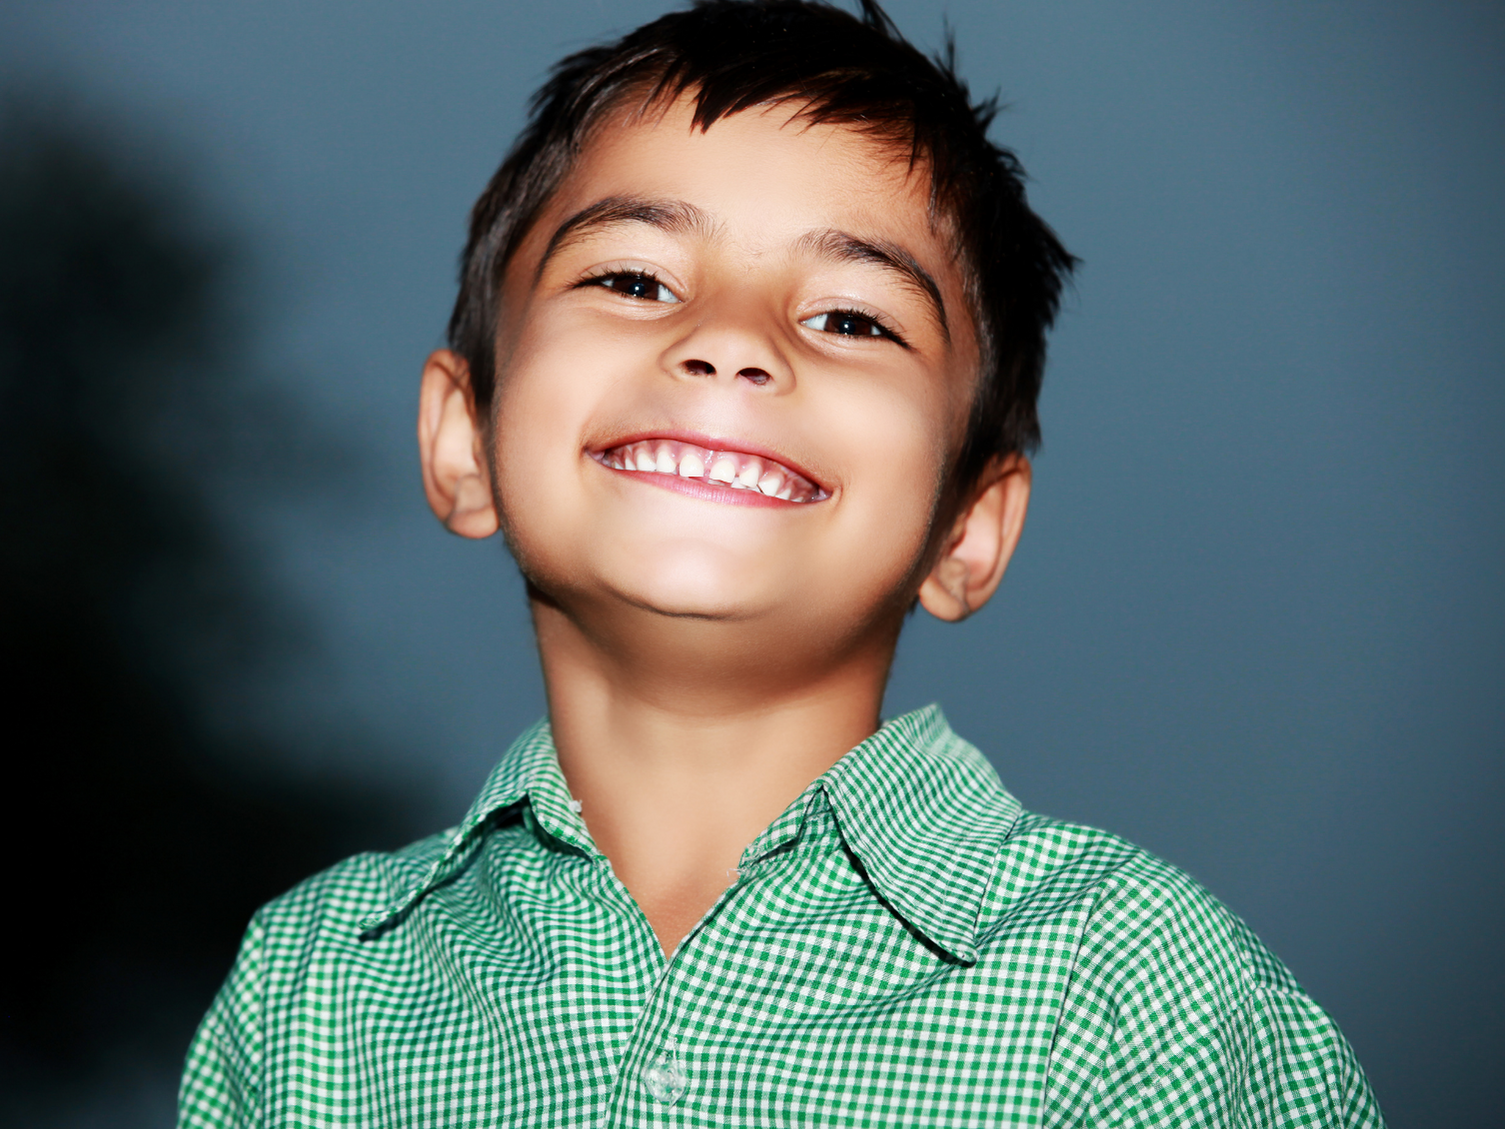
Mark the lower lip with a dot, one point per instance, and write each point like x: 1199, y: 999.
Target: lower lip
x: 706, y: 491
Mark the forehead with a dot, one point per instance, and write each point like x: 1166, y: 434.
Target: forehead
x: 764, y: 179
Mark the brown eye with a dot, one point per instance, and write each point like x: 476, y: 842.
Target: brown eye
x: 846, y: 323
x: 634, y: 284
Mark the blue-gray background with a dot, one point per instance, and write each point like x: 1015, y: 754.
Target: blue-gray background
x: 1257, y: 622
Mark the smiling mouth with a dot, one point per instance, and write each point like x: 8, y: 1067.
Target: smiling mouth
x: 732, y: 470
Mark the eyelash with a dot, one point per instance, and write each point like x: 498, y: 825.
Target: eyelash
x: 649, y: 278
x: 884, y: 330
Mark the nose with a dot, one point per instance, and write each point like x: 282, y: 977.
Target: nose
x: 730, y: 341
x: 694, y: 366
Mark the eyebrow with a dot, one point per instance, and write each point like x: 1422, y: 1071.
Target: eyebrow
x: 671, y: 216
x: 677, y: 217
x: 846, y: 248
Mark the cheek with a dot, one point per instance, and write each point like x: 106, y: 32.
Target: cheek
x: 550, y: 379
x: 546, y: 385
x: 897, y: 445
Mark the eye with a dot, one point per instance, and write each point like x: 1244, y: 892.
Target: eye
x: 633, y: 284
x: 849, y: 323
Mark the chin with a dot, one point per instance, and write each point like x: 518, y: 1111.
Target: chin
x: 695, y: 587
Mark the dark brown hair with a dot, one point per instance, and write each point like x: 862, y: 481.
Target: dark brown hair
x: 734, y: 54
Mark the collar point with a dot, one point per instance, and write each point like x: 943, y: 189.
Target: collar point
x: 373, y: 921
x: 963, y: 950
x: 395, y: 908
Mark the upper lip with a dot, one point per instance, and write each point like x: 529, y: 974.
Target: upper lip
x: 713, y: 443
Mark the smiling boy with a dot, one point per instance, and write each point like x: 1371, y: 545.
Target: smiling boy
x: 743, y: 365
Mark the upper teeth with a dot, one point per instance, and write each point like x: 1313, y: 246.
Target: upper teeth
x: 726, y: 468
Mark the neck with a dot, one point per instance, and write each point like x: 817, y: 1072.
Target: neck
x: 679, y: 764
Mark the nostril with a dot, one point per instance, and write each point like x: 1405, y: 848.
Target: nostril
x: 698, y: 368
x: 756, y: 375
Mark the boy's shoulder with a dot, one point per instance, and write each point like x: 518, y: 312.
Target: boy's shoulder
x: 1168, y: 998
x: 1130, y: 901
x: 1152, y: 946
x: 1156, y: 979
x: 342, y: 899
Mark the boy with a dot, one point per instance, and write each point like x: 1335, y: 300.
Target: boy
x: 743, y: 366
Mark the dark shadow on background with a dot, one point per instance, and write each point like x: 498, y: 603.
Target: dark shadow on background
x: 139, y: 835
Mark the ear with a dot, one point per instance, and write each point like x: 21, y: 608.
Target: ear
x: 452, y: 447
x: 981, y: 541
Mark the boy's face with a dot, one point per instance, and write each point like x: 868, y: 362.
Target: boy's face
x: 733, y: 369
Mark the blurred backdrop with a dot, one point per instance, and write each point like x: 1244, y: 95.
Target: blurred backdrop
x: 1257, y: 622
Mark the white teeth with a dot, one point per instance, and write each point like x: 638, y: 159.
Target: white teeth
x: 724, y: 469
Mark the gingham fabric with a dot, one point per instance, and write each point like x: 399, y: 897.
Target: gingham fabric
x: 903, y: 946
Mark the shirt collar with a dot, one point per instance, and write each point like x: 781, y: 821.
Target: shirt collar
x: 528, y: 770
x: 921, y: 809
x: 926, y: 816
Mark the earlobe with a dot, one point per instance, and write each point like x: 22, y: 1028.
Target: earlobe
x: 976, y: 553
x: 451, y: 446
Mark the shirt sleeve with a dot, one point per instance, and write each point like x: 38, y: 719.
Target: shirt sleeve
x: 221, y: 1079
x: 1278, y: 1062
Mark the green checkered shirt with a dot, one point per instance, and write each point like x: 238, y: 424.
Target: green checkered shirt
x: 903, y: 946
